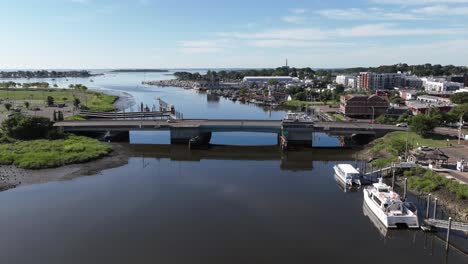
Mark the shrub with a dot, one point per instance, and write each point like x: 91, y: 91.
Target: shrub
x: 27, y: 127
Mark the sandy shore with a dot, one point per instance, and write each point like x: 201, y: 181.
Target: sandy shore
x: 11, y: 176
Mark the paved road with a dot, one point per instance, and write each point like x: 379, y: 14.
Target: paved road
x: 357, y: 125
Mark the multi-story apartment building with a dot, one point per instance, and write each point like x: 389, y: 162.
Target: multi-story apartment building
x: 434, y: 85
x: 380, y: 81
x: 346, y: 80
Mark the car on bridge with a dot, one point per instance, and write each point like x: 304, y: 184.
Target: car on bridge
x: 402, y: 125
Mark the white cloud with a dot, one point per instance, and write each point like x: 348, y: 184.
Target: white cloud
x: 419, y: 2
x: 295, y: 16
x: 298, y: 11
x: 381, y: 30
x: 365, y: 30
x: 277, y: 43
x: 442, y: 10
x: 290, y: 33
x: 365, y: 14
x: 294, y: 19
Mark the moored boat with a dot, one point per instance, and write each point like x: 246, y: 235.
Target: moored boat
x: 347, y: 174
x: 387, y: 206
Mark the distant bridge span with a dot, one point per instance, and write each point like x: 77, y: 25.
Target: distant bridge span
x: 183, y: 130
x: 226, y: 125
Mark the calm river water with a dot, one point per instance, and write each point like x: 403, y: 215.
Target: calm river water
x: 223, y: 205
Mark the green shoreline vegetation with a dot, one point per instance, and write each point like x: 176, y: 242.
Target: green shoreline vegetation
x: 387, y: 149
x: 31, y: 142
x: 94, y: 101
x: 426, y: 181
x: 45, y: 153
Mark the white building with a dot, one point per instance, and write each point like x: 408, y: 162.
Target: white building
x: 346, y: 80
x: 433, y: 85
x: 265, y: 79
x: 407, y: 95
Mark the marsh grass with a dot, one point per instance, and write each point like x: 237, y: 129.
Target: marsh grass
x: 43, y: 153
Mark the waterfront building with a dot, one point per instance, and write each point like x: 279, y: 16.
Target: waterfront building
x: 359, y: 105
x: 438, y: 85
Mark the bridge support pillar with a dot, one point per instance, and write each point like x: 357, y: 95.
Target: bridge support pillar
x: 183, y: 135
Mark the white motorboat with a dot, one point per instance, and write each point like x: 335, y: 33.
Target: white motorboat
x: 347, y: 174
x: 387, y: 206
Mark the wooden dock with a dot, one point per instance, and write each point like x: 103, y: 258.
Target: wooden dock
x: 459, y: 226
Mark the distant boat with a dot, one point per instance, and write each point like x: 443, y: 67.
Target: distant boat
x: 347, y: 174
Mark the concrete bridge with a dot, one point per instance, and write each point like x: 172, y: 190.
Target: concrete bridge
x: 182, y: 130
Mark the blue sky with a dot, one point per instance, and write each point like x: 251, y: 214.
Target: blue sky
x: 221, y: 34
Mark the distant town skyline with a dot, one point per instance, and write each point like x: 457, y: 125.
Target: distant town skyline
x: 105, y: 34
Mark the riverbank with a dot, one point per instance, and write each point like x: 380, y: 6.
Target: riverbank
x: 11, y: 176
x: 450, y: 193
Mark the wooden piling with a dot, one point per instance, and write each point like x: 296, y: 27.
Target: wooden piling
x: 448, y: 233
x: 406, y: 188
x: 428, y: 205
x: 393, y: 178
x: 435, y: 209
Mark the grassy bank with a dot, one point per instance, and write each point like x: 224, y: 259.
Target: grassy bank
x: 339, y: 117
x: 40, y: 154
x: 427, y: 181
x: 386, y: 150
x: 95, y: 101
x: 75, y: 118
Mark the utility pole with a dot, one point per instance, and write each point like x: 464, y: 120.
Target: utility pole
x: 460, y: 124
x: 373, y: 116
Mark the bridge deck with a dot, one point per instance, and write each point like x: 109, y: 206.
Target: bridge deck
x: 219, y: 125
x: 212, y: 125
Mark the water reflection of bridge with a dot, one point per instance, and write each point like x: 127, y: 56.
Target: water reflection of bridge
x: 299, y: 160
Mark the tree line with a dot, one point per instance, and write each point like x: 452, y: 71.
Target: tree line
x: 11, y: 84
x: 237, y: 75
x: 419, y: 70
x: 44, y: 74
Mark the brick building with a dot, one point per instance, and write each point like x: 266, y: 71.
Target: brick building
x: 358, y: 105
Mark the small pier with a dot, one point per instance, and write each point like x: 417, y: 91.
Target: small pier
x: 438, y: 223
